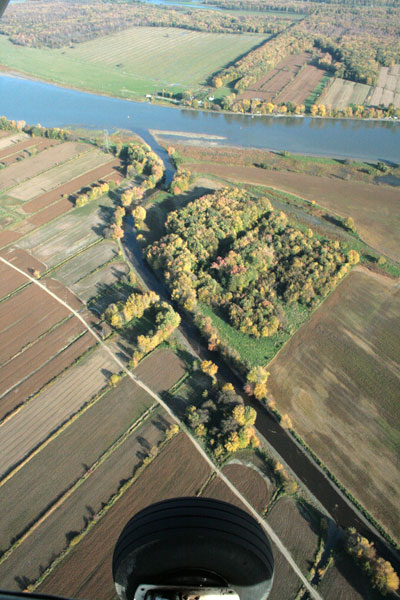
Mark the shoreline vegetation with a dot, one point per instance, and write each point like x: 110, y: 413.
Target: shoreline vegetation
x: 323, y: 60
x: 169, y: 103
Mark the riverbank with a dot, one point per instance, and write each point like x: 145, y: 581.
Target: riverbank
x: 175, y: 104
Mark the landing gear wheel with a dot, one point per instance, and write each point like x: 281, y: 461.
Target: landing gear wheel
x: 194, y: 541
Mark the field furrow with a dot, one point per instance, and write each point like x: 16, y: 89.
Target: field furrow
x: 53, y: 406
x: 53, y: 535
x: 13, y: 175
x: 86, y: 571
x: 59, y: 175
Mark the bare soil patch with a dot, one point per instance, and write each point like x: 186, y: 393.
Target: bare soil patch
x: 30, y: 362
x: 11, y: 151
x: 377, y: 223
x: 78, y: 267
x: 67, y: 235
x: 250, y: 483
x: 24, y: 317
x: 104, y: 171
x: 269, y: 86
x: 10, y: 279
x: 69, y: 456
x: 59, y: 174
x: 51, y: 369
x: 301, y: 87
x: 8, y: 140
x: 51, y: 212
x: 86, y: 572
x: 43, y: 161
x: 161, y: 370
x: 295, y: 529
x: 338, y: 379
x: 8, y: 236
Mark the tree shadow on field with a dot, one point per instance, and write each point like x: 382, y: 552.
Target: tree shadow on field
x: 106, y: 215
x: 160, y: 423
x: 334, y: 220
x: 175, y: 403
x: 106, y: 372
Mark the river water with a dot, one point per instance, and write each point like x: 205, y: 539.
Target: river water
x: 50, y: 105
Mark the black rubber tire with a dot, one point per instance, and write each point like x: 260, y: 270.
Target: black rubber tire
x: 185, y: 534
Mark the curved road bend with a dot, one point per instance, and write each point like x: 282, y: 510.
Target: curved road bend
x: 335, y: 503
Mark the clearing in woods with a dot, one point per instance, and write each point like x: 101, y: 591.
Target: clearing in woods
x: 338, y: 379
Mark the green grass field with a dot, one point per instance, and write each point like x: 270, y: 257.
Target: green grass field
x: 134, y: 62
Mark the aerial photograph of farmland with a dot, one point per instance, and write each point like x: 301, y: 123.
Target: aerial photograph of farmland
x: 200, y: 298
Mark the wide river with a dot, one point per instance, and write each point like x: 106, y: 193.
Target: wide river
x: 50, y: 105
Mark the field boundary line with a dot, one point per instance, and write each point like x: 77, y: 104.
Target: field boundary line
x: 273, y: 536
x: 80, y: 481
x: 43, y: 173
x: 65, y: 347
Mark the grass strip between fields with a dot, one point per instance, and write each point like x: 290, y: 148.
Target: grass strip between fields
x: 273, y: 536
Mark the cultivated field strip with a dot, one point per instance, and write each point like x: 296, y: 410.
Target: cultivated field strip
x: 37, y: 354
x: 66, y: 236
x: 37, y: 380
x: 26, y: 316
x: 132, y: 52
x: 84, y: 263
x: 59, y: 401
x: 51, y: 537
x: 300, y: 88
x: 86, y: 572
x: 97, y: 282
x: 71, y: 186
x: 51, y: 212
x: 161, y: 370
x: 342, y: 93
x: 76, y: 448
x: 31, y: 142
x: 78, y: 164
x: 7, y: 141
x: 13, y: 175
x: 10, y: 279
x: 8, y: 236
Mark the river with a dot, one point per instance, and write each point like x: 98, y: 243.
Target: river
x: 50, y: 105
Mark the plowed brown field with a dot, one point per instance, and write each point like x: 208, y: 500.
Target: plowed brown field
x: 8, y: 236
x: 53, y: 407
x: 338, y: 378
x: 11, y: 279
x: 86, y: 572
x: 161, y: 370
x: 301, y: 87
x: 26, y: 316
x: 44, y: 374
x: 51, y: 212
x: 268, y: 87
x: 38, y: 143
